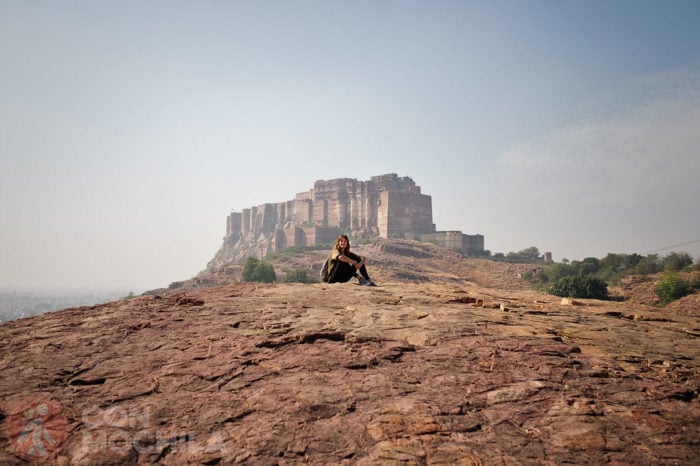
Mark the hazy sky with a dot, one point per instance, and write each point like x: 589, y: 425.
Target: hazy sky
x: 129, y: 130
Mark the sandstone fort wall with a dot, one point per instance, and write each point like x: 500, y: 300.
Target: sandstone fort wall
x: 386, y: 206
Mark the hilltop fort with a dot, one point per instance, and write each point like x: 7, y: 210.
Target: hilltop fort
x: 386, y: 206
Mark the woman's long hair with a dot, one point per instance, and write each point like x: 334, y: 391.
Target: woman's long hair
x: 337, y: 243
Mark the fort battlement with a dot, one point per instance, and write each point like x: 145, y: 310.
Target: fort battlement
x: 386, y: 206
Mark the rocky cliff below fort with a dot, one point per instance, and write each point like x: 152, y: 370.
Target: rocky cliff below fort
x: 385, y: 206
x: 451, y: 361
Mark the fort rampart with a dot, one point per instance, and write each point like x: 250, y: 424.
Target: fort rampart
x: 386, y: 206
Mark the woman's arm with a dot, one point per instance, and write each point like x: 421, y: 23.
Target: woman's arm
x: 344, y: 258
x: 357, y: 263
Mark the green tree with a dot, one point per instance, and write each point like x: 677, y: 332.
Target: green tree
x: 264, y: 272
x: 589, y: 266
x: 672, y: 287
x: 559, y: 270
x: 255, y: 270
x: 248, y: 274
x: 580, y: 286
x: 619, y: 262
x: 647, y: 265
x: 531, y: 253
x: 613, y: 266
x: 676, y: 261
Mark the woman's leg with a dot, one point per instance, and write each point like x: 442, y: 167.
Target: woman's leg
x: 363, y: 269
x: 342, y: 273
x: 363, y: 272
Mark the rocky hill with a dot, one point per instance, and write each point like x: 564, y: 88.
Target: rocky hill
x: 391, y: 260
x: 449, y: 361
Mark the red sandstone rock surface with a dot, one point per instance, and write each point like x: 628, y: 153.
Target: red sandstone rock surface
x: 432, y: 371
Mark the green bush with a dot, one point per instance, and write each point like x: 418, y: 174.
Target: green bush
x: 648, y: 265
x: 676, y: 261
x: 249, y: 268
x: 613, y: 267
x: 580, y: 286
x: 672, y: 287
x: 528, y: 255
x: 255, y: 270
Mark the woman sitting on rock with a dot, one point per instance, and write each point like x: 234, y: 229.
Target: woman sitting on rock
x: 344, y: 265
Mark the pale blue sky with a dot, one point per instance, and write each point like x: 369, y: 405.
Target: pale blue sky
x: 129, y: 130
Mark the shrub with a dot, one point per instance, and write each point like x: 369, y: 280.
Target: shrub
x: 676, y: 261
x: 255, y: 270
x: 249, y: 269
x: 529, y: 255
x: 648, y: 265
x: 580, y: 286
x: 672, y: 287
x: 264, y: 272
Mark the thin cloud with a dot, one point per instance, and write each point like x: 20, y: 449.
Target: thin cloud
x: 639, y: 145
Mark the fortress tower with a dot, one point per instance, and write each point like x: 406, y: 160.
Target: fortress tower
x: 386, y: 206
